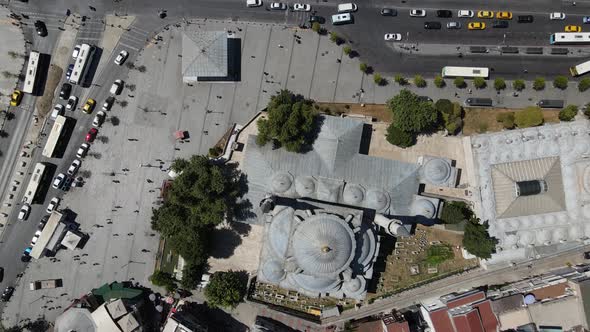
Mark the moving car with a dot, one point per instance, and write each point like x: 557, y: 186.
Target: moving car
x: 485, y: 14
x: 65, y: 91
x: 72, y: 102
x: 35, y: 238
x: 26, y: 257
x: 432, y: 25
x: 58, y: 109
x: 476, y: 26
x: 82, y: 150
x: 42, y: 223
x: 315, y: 18
x: 557, y: 16
x: 116, y: 87
x: 393, y: 36
x: 41, y: 28
x: 465, y: 13
x: 500, y: 24
x: 58, y: 181
x: 91, y: 134
x: 253, y: 3
x: 573, y: 28
x: 108, y: 103
x: 388, y: 12
x: 526, y: 19
x: 454, y: 25
x: 121, y: 57
x: 417, y: 13
x: 301, y: 7
x: 75, y: 52
x: 16, y: 98
x: 53, y: 204
x: 586, y: 19
x: 444, y: 13
x: 74, y: 167
x: 7, y: 294
x: 89, y: 106
x: 69, y: 71
x: 278, y: 6
x: 99, y: 119
x: 504, y: 15
x: 347, y: 8
x: 23, y: 214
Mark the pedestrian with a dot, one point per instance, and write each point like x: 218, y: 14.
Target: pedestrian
x: 280, y: 46
x: 136, y: 211
x: 149, y: 181
x: 92, y: 8
x: 470, y: 91
x: 456, y: 94
x: 115, y: 234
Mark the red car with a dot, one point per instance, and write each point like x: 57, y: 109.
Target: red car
x: 91, y: 135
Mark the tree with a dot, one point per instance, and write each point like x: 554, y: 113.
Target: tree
x: 399, y: 79
x: 452, y: 115
x: 363, y: 67
x: 518, y: 85
x: 379, y: 80
x: 529, y: 117
x: 444, y: 106
x: 479, y: 82
x: 507, y: 119
x: 539, y: 83
x: 587, y: 110
x: 459, y: 82
x: 347, y: 50
x: 584, y: 84
x: 410, y: 114
x: 477, y: 240
x: 560, y: 82
x: 568, y: 113
x: 163, y: 279
x: 455, y: 212
x: 225, y: 289
x: 316, y: 27
x: 419, y: 81
x: 439, y: 82
x: 398, y: 137
x: 191, y: 276
x: 499, y: 84
x: 291, y: 122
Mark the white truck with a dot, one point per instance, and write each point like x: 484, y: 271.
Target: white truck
x: 44, y: 284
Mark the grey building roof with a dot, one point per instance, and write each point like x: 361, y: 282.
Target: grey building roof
x: 204, y: 54
x: 507, y: 303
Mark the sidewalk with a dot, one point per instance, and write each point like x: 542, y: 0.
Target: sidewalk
x: 13, y: 42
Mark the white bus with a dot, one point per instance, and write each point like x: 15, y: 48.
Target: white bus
x: 34, y: 183
x: 580, y: 69
x: 31, y: 77
x: 54, y: 136
x: 570, y: 38
x: 467, y: 72
x: 81, y: 65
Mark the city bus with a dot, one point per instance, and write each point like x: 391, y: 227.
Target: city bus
x: 570, y: 38
x: 580, y: 69
x: 31, y: 76
x: 82, y: 63
x: 34, y: 182
x: 467, y: 72
x: 54, y: 136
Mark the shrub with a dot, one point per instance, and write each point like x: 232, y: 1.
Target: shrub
x: 507, y: 119
x: 439, y: 82
x: 529, y: 117
x: 399, y: 79
x: 459, y: 82
x: 399, y: 137
x: 539, y: 83
x: 316, y: 27
x: 499, y: 84
x: 444, y: 106
x: 584, y: 84
x: 347, y: 49
x: 587, y: 110
x: 163, y: 279
x: 518, y: 85
x: 560, y: 82
x: 419, y: 81
x: 482, y: 127
x: 439, y: 253
x: 568, y: 113
x: 379, y: 80
x: 479, y: 82
x: 363, y: 67
x: 335, y: 38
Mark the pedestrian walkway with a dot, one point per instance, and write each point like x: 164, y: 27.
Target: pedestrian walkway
x: 12, y: 56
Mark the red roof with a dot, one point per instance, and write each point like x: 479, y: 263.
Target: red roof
x: 466, y: 300
x: 441, y: 321
x: 489, y: 320
x: 468, y: 322
x: 397, y: 327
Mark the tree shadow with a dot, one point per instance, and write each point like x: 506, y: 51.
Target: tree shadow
x: 370, y: 70
x: 241, y: 228
x: 353, y: 54
x: 215, y: 319
x: 240, y: 209
x: 223, y: 242
x: 114, y: 120
x: 313, y: 135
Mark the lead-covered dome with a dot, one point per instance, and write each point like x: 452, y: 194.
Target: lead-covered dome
x: 353, y: 194
x: 437, y: 171
x: 281, y: 182
x: 377, y: 199
x: 305, y: 185
x: 273, y: 271
x: 424, y: 207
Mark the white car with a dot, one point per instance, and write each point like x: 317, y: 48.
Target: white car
x: 35, y: 238
x: 116, y: 87
x: 82, y: 150
x: 253, y: 3
x: 58, y: 181
x: 300, y: 7
x: 121, y: 57
x: 58, y: 109
x: 72, y: 102
x: 74, y: 167
x: 393, y: 36
x: 53, y: 204
x: 23, y: 214
x: 99, y: 119
x: 278, y: 6
x: 75, y: 52
x: 465, y: 13
x: 557, y: 16
x: 417, y: 13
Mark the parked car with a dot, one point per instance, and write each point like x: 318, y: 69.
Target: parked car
x: 58, y: 181
x: 504, y: 15
x: 91, y: 135
x: 557, y: 16
x: 23, y: 214
x: 26, y: 256
x: 417, y: 13
x: 7, y: 294
x: 485, y: 14
x: 82, y: 150
x: 69, y: 71
x: 41, y: 28
x: 76, y: 52
x: 388, y: 12
x: 476, y: 26
x: 253, y: 3
x: 121, y: 57
x: 432, y: 25
x: 35, y: 238
x: 573, y: 28
x: 42, y: 223
x: 89, y: 106
x: 65, y: 91
x: 586, y: 19
x: 316, y: 18
x: 454, y: 25
x: 16, y: 98
x: 525, y: 19
x: 53, y: 204
x: 72, y: 102
x: 116, y: 87
x: 58, y: 109
x: 108, y: 103
x: 99, y: 119
x: 465, y: 13
x: 278, y: 6
x: 301, y: 7
x: 444, y: 13
x: 500, y: 24
x: 74, y: 167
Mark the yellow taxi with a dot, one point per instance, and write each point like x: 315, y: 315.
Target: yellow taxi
x: 485, y: 14
x: 476, y: 26
x: 89, y: 106
x: 504, y: 15
x: 573, y: 28
x: 16, y: 97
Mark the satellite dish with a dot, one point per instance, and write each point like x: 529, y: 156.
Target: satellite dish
x: 152, y: 297
x: 159, y: 308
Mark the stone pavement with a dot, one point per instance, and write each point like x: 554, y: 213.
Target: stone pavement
x: 12, y: 41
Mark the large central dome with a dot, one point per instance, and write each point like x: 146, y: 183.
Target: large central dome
x: 323, y: 245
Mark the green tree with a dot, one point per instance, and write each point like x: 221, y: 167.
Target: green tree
x: 191, y: 276
x: 560, y: 82
x: 477, y: 240
x: 479, y: 82
x: 439, y: 82
x: 399, y: 79
x: 499, y: 84
x: 379, y: 80
x: 455, y: 212
x: 316, y: 27
x: 568, y: 113
x: 539, y: 83
x: 363, y: 67
x: 291, y: 122
x: 444, y: 106
x: 410, y: 114
x: 459, y: 82
x: 163, y: 279
x: 452, y: 115
x: 347, y: 50
x: 225, y: 289
x: 529, y: 117
x: 419, y: 81
x: 398, y: 137
x: 507, y: 119
x: 518, y: 85
x: 584, y: 84
x: 587, y: 110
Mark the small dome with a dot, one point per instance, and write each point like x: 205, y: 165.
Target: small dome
x: 377, y: 199
x: 424, y: 207
x: 281, y: 182
x: 526, y: 238
x: 316, y: 284
x: 353, y: 286
x: 437, y: 171
x: 273, y: 271
x: 305, y: 185
x: 353, y: 194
